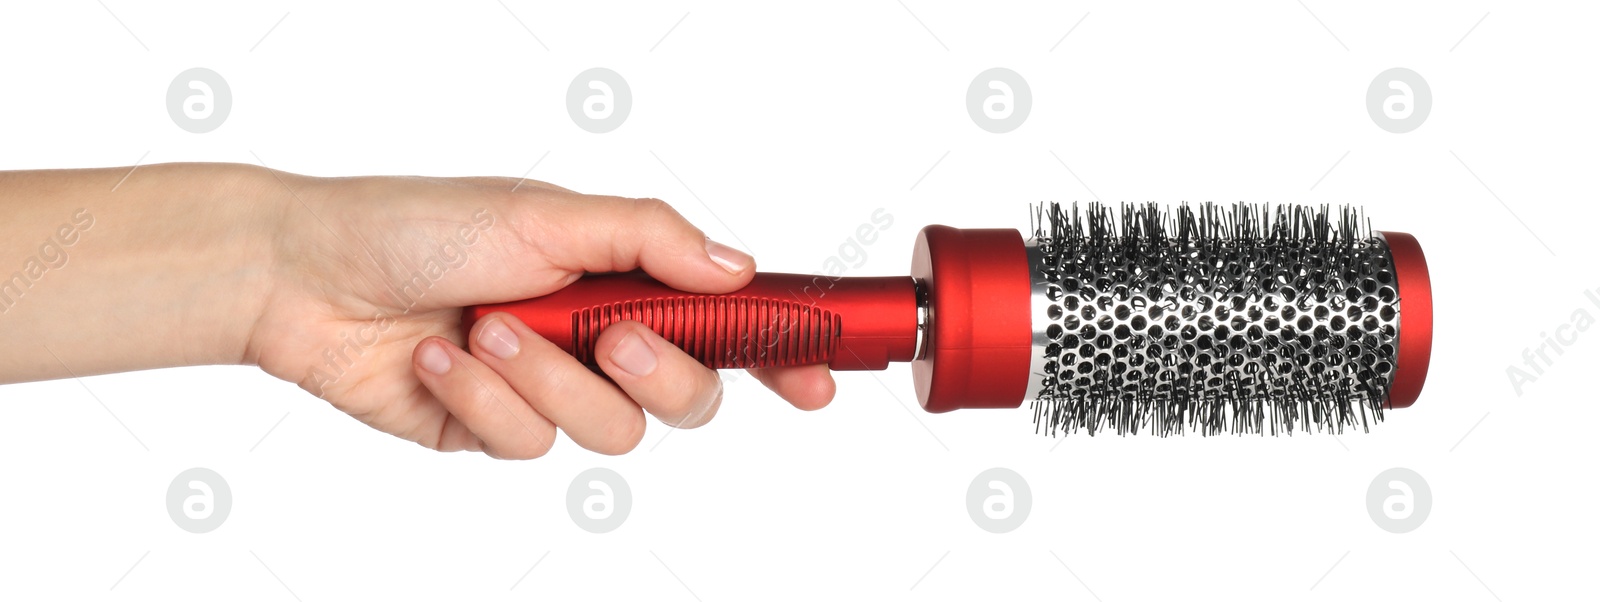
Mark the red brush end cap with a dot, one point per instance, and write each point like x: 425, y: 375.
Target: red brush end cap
x: 1416, y: 319
x: 981, y: 334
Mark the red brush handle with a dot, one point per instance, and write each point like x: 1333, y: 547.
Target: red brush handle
x: 777, y: 320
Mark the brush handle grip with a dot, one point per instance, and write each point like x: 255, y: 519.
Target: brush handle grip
x: 776, y: 320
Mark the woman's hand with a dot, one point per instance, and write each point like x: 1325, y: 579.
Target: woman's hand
x: 370, y: 275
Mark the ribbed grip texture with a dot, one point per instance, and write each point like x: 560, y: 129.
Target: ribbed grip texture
x: 721, y: 331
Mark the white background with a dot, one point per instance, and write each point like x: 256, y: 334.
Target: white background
x: 788, y: 125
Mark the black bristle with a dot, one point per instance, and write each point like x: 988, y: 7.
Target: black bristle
x: 1238, y: 319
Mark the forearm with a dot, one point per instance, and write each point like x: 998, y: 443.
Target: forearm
x: 168, y: 267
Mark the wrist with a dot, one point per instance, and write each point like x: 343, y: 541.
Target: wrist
x: 199, y: 257
x: 235, y: 267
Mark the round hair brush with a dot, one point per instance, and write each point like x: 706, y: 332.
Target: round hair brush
x: 1238, y: 319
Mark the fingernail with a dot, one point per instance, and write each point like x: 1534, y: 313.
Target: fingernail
x: 731, y: 259
x: 434, y: 359
x: 498, y: 340
x: 634, y: 356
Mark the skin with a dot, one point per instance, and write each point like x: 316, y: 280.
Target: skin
x: 315, y: 280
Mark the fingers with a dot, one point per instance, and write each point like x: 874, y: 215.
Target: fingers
x: 609, y: 234
x: 591, y: 410
x: 805, y: 387
x: 674, y: 387
x: 515, y: 388
x: 481, y: 402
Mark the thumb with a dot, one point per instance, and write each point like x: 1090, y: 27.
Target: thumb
x: 611, y: 234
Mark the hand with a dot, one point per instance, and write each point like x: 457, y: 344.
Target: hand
x: 370, y: 275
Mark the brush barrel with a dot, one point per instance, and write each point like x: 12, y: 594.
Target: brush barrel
x: 1223, y: 321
